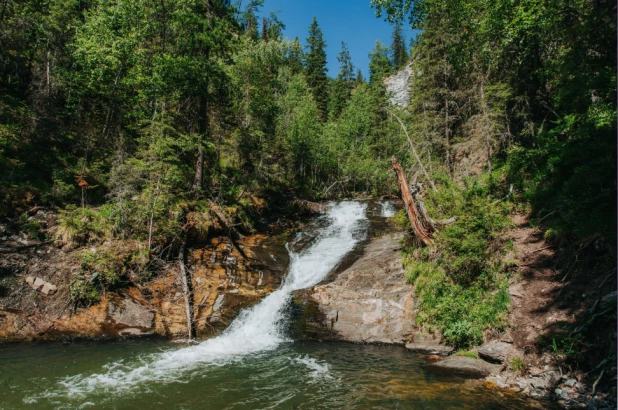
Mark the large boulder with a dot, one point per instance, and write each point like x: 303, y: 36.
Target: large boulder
x: 495, y: 352
x: 465, y: 366
x: 369, y: 302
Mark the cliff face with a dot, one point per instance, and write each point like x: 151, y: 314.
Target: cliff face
x: 398, y: 85
x: 223, y: 283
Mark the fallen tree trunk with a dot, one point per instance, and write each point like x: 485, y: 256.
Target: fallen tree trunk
x: 420, y: 231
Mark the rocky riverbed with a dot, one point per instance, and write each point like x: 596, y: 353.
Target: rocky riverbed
x: 369, y: 301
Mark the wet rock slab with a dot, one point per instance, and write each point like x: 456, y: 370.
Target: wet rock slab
x: 465, y: 366
x: 495, y: 352
x: 427, y: 345
x: 369, y: 302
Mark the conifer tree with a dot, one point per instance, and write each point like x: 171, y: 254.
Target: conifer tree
x: 316, y: 68
x: 359, y: 77
x: 342, y: 89
x: 296, y: 56
x: 249, y: 19
x: 379, y: 64
x: 398, y: 48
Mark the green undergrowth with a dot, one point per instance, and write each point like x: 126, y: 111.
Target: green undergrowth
x: 107, y: 267
x: 462, y: 284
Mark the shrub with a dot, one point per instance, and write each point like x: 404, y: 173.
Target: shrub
x: 400, y: 220
x: 462, y: 285
x: 85, y: 225
x: 99, y: 270
x: 517, y: 364
x: 31, y: 226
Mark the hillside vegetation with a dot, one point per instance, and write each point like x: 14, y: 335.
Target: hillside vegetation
x: 147, y: 125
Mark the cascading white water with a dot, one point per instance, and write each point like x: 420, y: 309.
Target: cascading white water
x: 257, y: 329
x: 388, y: 209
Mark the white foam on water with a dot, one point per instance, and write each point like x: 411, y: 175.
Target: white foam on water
x: 388, y: 209
x: 255, y: 330
x: 318, y: 370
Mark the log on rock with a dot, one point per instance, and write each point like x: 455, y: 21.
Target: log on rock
x: 419, y: 228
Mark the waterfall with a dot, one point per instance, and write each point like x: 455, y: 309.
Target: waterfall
x: 257, y: 329
x: 388, y: 209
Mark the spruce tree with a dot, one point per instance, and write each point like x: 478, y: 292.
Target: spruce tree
x: 359, y: 77
x: 398, y: 48
x: 296, y: 56
x: 379, y: 64
x: 342, y: 89
x: 316, y: 68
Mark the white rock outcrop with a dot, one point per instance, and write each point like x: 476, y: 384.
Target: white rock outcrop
x: 398, y: 85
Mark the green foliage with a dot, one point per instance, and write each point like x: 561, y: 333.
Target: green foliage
x: 100, y: 269
x: 532, y: 82
x: 462, y: 286
x: 83, y: 292
x: 570, y: 176
x: 344, y: 84
x: 472, y: 355
x: 517, y: 364
x: 86, y: 225
x: 316, y: 68
x: 401, y: 221
x: 31, y: 227
x: 380, y: 64
x: 106, y: 267
x: 472, y: 247
x: 398, y: 48
x: 568, y: 346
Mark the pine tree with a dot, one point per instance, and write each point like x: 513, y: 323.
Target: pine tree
x: 316, y: 68
x: 249, y: 19
x: 342, y: 89
x: 296, y: 56
x: 412, y: 43
x: 398, y: 48
x: 359, y: 77
x: 379, y: 64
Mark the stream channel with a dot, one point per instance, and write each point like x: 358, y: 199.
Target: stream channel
x: 254, y: 364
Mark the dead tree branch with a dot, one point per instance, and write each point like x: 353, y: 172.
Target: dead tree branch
x: 418, y: 227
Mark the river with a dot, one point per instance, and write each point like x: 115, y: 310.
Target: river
x: 252, y: 365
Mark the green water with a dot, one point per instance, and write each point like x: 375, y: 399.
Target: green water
x: 301, y: 375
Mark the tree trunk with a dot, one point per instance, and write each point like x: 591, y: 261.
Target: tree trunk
x: 199, y: 171
x: 413, y: 213
x: 186, y: 285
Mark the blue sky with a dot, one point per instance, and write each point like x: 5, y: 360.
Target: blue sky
x: 352, y: 21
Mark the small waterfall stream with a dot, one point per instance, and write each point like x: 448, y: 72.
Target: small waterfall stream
x: 255, y: 330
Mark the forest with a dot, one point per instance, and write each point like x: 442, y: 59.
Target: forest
x: 147, y: 125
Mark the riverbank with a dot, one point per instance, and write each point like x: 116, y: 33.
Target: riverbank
x: 369, y: 301
x: 36, y: 300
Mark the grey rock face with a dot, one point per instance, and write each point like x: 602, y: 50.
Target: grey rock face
x: 370, y: 302
x: 398, y: 85
x: 495, y: 352
x: 465, y: 366
x: 131, y: 314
